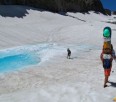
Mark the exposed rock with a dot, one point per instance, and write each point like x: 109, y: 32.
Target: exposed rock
x: 108, y: 12
x: 114, y: 12
x: 60, y: 5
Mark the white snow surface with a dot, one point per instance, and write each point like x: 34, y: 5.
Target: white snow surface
x: 57, y: 79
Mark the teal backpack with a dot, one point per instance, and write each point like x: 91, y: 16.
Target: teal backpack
x: 107, y: 32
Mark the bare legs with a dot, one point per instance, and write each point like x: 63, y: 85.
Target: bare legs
x: 105, y: 81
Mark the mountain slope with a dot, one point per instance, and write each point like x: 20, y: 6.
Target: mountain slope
x: 57, y: 79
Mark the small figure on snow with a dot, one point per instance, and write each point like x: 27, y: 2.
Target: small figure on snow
x: 68, y: 53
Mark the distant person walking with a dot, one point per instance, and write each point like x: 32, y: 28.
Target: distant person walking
x: 68, y: 53
x: 107, y: 55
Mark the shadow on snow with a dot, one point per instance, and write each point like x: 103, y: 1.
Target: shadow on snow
x: 15, y: 10
x: 113, y: 84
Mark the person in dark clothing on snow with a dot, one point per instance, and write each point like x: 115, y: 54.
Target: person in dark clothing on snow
x: 68, y: 53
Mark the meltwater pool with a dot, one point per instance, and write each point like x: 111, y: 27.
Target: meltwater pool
x: 15, y: 62
x: 13, y: 59
x: 20, y: 57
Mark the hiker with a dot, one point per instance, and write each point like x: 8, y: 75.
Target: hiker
x: 68, y: 53
x: 107, y: 55
x: 107, y: 63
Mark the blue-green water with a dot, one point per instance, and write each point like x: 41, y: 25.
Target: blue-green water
x: 17, y: 58
x: 14, y: 62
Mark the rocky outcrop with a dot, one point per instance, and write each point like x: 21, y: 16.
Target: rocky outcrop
x: 108, y: 12
x: 60, y: 5
x: 114, y: 12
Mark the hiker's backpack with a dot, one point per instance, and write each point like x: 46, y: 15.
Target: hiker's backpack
x: 107, y: 32
x: 107, y: 61
x: 107, y: 48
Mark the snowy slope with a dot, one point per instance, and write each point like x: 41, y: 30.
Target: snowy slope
x: 57, y: 79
